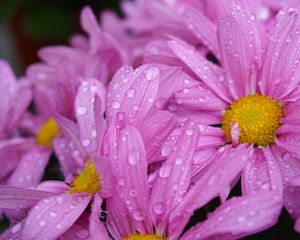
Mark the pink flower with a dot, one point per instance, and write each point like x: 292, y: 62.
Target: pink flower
x: 55, y: 207
x: 254, y: 96
x: 166, y: 200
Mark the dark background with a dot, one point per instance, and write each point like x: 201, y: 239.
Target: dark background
x: 27, y: 25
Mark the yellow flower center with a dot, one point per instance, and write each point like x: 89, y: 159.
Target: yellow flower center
x: 87, y: 181
x: 257, y: 117
x: 137, y: 236
x: 47, y: 133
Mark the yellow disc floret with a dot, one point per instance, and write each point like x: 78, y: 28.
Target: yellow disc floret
x: 47, y: 133
x: 257, y: 117
x: 87, y: 181
x: 137, y: 236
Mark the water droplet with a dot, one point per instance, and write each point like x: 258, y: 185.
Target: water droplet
x: 166, y: 151
x: 133, y: 157
x: 82, y: 110
x: 58, y: 226
x: 42, y: 223
x: 165, y: 171
x: 82, y: 234
x: 116, y: 104
x: 130, y: 92
x: 152, y: 73
x: 133, y: 193
x: 125, y: 80
x: 16, y: 228
x: 121, y: 181
x: 86, y: 142
x: 241, y: 219
x: 189, y: 131
x: 179, y: 160
x: 52, y: 214
x: 150, y: 100
x: 158, y: 208
x: 138, y: 215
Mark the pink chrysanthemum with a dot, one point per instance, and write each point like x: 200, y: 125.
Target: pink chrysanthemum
x: 254, y: 97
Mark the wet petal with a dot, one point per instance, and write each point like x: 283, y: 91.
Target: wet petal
x: 133, y: 165
x: 261, y: 173
x: 31, y: 167
x: 240, y: 46
x: 223, y: 170
x: 53, y: 216
x: 16, y: 197
x: 174, y: 176
x: 239, y: 216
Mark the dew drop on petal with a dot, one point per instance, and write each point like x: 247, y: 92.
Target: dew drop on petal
x: 152, y: 73
x: 133, y: 157
x: 52, y: 214
x: 189, y: 131
x: 116, y: 104
x: 138, y: 215
x: 165, y: 171
x: 178, y: 160
x: 82, y: 110
x: 16, y: 228
x: 130, y: 93
x: 166, y: 151
x: 42, y: 223
x: 158, y: 208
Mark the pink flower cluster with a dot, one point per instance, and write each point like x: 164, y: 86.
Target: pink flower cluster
x: 147, y: 129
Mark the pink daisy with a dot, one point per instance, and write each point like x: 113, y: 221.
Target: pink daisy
x: 165, y: 199
x: 254, y: 97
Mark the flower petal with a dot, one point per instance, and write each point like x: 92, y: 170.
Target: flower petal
x: 31, y: 167
x: 240, y: 46
x: 133, y: 165
x: 280, y: 71
x: 202, y: 28
x: 222, y: 171
x: 174, y: 176
x: 155, y: 130
x: 208, y: 72
x: 238, y: 217
x: 133, y: 92
x: 261, y: 173
x: 17, y: 198
x: 53, y: 216
x: 90, y: 106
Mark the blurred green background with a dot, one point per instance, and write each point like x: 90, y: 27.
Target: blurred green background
x: 27, y: 25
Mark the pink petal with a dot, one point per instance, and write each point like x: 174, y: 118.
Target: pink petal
x: 200, y: 97
x: 155, y: 130
x: 280, y: 72
x: 238, y: 217
x: 90, y: 106
x: 209, y: 73
x: 97, y: 229
x: 17, y: 198
x: 174, y: 176
x: 133, y: 92
x: 222, y: 171
x: 118, y: 222
x: 240, y: 46
x: 31, y: 167
x: 79, y: 230
x: 52, y: 216
x: 202, y: 28
x: 261, y: 173
x: 54, y: 55
x: 71, y: 132
x: 68, y: 156
x: 10, y: 152
x: 57, y: 187
x: 132, y: 166
x: 88, y: 21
